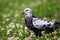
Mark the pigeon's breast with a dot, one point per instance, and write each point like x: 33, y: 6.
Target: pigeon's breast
x: 28, y: 20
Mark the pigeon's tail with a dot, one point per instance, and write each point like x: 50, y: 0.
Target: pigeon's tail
x: 57, y: 25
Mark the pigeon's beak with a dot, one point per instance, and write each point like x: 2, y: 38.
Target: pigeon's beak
x: 22, y: 12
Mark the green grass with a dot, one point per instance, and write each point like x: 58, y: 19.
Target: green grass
x: 12, y: 21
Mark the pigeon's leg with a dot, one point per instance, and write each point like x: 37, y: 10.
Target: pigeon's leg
x: 35, y: 31
x: 39, y: 32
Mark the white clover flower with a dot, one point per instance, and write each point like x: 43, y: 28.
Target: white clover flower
x: 55, y: 32
x: 47, y: 39
x: 45, y: 18
x: 58, y: 38
x: 32, y: 34
x: 2, y: 29
x: 20, y: 34
x: 26, y: 28
x: 5, y: 15
x: 25, y: 38
x: 53, y: 20
x: 17, y: 24
x: 21, y: 26
x: 7, y: 19
x: 26, y: 31
x: 55, y: 37
x: 46, y: 36
x: 11, y: 25
x: 37, y: 39
x: 16, y: 15
x: 8, y: 31
x: 11, y: 38
x: 17, y: 38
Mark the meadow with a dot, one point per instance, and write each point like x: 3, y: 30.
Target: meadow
x: 12, y: 25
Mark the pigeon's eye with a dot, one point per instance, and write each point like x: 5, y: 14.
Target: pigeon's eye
x: 26, y: 10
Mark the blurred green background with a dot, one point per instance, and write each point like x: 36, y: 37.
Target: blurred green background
x: 12, y: 21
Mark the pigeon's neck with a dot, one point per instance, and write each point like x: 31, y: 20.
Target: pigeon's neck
x: 29, y: 15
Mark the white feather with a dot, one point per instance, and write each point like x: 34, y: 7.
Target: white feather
x: 38, y: 23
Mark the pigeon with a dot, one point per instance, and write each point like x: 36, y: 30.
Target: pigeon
x: 38, y: 25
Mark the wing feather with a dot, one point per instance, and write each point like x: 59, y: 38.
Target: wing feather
x: 38, y: 23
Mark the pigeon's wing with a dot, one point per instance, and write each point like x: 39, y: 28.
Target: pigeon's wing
x: 38, y: 23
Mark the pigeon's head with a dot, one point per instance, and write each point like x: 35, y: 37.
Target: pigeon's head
x: 27, y: 11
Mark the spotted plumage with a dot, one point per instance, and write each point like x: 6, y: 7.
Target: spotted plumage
x: 37, y: 25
